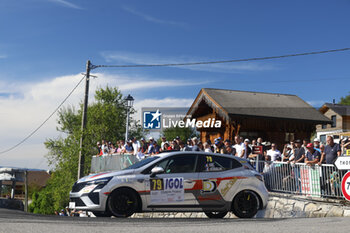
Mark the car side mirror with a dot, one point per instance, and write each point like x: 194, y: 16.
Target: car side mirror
x: 156, y: 170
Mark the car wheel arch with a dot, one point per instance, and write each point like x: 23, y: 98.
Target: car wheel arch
x: 139, y: 207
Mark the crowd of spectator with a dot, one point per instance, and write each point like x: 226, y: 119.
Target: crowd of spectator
x: 296, y: 151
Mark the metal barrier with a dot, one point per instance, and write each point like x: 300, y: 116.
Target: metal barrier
x: 113, y: 162
x: 301, y: 179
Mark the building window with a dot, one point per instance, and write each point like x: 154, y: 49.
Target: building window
x: 324, y: 126
x: 323, y: 139
x: 334, y: 121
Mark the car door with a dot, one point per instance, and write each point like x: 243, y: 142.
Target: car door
x: 218, y: 177
x: 174, y: 188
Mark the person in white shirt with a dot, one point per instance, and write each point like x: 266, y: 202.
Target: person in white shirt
x: 239, y: 146
x: 136, y: 146
x: 207, y: 147
x: 273, y: 153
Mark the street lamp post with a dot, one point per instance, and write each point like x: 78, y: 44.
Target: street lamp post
x: 129, y: 100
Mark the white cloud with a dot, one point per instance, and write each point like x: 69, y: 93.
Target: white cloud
x: 152, y: 18
x: 27, y: 105
x: 67, y: 4
x: 2, y: 56
x: 120, y: 57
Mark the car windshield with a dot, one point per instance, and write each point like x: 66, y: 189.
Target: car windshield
x: 142, y: 163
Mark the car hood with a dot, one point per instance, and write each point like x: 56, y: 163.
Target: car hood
x: 105, y: 175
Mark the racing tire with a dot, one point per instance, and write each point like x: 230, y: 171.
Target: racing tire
x: 122, y: 203
x: 245, y: 204
x: 216, y: 214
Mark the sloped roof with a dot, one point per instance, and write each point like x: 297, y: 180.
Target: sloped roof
x: 259, y: 104
x: 343, y: 110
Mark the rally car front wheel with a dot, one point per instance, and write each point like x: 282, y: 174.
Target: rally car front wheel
x: 122, y: 203
x: 245, y: 204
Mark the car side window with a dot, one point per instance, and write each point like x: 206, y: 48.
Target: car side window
x: 212, y: 163
x: 177, y: 164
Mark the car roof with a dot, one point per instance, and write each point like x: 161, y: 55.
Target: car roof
x: 167, y: 154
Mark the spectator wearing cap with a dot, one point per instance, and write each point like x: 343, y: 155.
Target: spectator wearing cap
x: 144, y: 146
x: 273, y: 153
x: 239, y: 146
x: 155, y: 149
x: 288, y: 153
x: 313, y: 156
x: 317, y: 144
x: 219, y: 146
x: 188, y: 146
x: 128, y: 147
x: 248, y: 150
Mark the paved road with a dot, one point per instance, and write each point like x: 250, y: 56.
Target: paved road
x: 16, y: 221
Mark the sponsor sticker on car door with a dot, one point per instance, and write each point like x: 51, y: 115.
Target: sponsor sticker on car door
x: 167, y: 190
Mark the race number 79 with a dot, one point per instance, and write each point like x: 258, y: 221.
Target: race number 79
x: 157, y: 184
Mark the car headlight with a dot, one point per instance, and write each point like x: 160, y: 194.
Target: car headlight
x: 95, y: 184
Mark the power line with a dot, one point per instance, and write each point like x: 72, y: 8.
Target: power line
x: 32, y: 133
x: 223, y: 61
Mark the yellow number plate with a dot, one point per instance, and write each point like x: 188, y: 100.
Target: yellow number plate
x: 157, y: 184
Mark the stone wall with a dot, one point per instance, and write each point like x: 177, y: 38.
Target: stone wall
x: 279, y: 206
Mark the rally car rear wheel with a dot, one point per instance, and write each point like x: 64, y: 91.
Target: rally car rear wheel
x: 215, y: 214
x: 245, y: 204
x: 122, y: 203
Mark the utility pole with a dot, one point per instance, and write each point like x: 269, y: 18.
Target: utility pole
x: 83, y: 122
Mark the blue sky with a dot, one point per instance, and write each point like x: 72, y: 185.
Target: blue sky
x: 44, y: 45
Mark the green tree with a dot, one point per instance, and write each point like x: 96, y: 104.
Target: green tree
x: 345, y: 100
x: 183, y: 133
x: 106, y: 120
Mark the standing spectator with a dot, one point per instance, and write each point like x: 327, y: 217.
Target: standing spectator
x: 189, y: 144
x: 287, y: 154
x: 200, y: 145
x: 331, y: 151
x: 175, y: 146
x: 248, y: 150
x: 219, y: 146
x: 182, y: 146
x: 273, y: 153
x: 136, y: 145
x: 299, y: 152
x: 155, y: 149
x: 239, y: 146
x: 305, y: 142
x: 144, y: 146
x: 195, y: 144
x: 99, y: 148
x: 330, y: 154
x: 254, y: 143
x: 163, y: 142
x: 229, y: 150
x: 207, y: 147
x: 317, y: 144
x: 128, y: 147
x: 313, y: 156
x: 227, y: 144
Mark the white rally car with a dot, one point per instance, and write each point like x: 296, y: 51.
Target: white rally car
x: 175, y: 182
